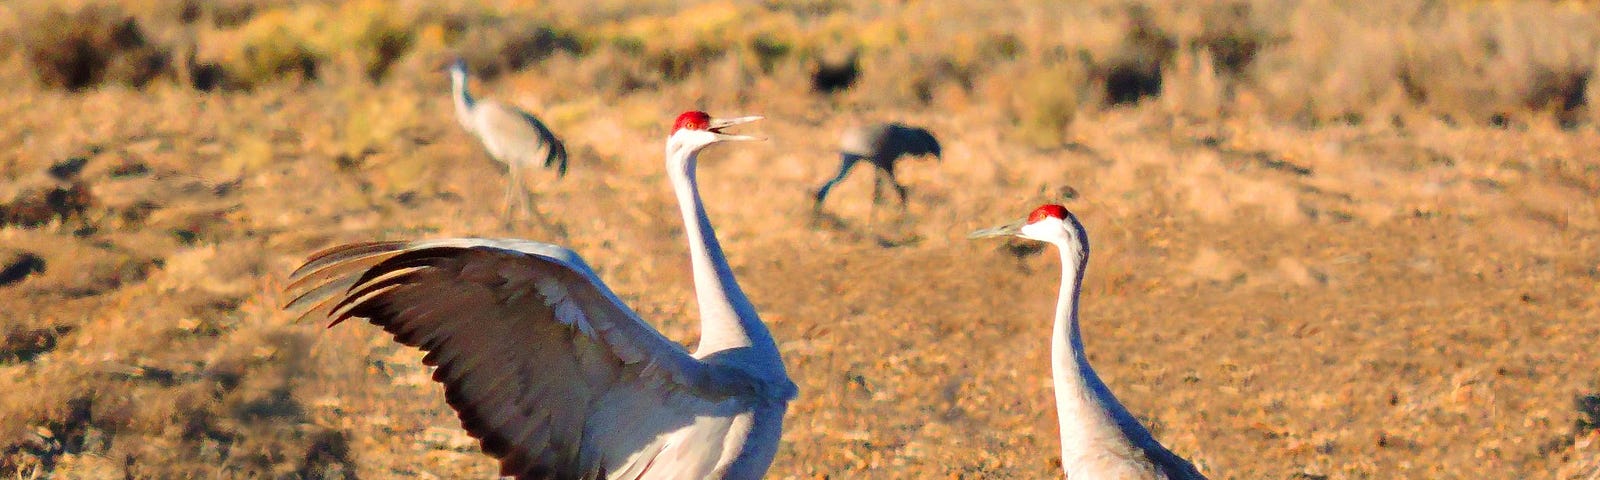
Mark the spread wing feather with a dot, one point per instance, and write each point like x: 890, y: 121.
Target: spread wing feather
x: 532, y: 349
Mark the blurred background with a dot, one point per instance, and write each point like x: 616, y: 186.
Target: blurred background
x: 1331, y: 239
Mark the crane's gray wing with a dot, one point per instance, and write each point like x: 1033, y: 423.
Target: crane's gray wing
x: 521, y: 137
x: 903, y: 140
x: 1169, y: 464
x: 920, y: 142
x: 537, y: 356
x: 557, y: 156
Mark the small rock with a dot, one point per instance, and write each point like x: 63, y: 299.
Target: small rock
x: 129, y: 169
x: 68, y: 169
x: 20, y: 266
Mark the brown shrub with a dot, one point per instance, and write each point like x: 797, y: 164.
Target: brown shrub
x: 1134, y: 72
x: 834, y: 73
x: 231, y: 13
x: 33, y: 209
x: 770, y: 50
x: 79, y: 50
x: 513, y: 45
x: 1231, y: 39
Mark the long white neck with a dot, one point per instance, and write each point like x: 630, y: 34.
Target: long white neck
x: 1091, y: 419
x: 463, y: 99
x: 727, y: 319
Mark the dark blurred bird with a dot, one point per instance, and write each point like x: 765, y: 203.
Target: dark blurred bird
x: 882, y: 144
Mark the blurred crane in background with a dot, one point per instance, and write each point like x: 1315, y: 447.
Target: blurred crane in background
x: 556, y: 376
x: 882, y: 144
x: 510, y: 135
x: 1099, y: 438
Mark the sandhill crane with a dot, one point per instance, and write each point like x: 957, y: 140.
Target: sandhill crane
x: 882, y: 144
x: 510, y: 135
x: 1099, y: 438
x: 551, y: 371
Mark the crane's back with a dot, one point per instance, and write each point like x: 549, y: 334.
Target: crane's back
x: 865, y: 140
x: 887, y: 141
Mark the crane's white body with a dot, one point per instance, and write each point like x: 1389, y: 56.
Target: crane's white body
x: 552, y: 372
x: 511, y: 136
x: 1099, y: 438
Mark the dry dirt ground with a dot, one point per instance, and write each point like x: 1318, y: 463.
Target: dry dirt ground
x: 1407, y: 299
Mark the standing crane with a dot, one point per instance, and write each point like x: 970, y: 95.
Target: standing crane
x: 1099, y: 438
x: 510, y: 135
x: 554, y: 375
x: 882, y: 144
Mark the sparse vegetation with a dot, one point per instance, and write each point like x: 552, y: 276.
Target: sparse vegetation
x: 1314, y: 62
x: 1286, y: 201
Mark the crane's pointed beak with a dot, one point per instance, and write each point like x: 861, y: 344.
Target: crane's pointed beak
x: 1007, y: 230
x: 717, y: 124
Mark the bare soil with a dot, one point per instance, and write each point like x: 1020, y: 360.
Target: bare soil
x: 1408, y: 297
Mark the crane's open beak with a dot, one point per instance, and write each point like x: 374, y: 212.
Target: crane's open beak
x: 717, y: 124
x: 1007, y: 230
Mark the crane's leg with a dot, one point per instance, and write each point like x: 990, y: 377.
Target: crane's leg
x: 877, y: 198
x: 905, y: 210
x: 847, y: 162
x: 524, y: 197
x: 512, y: 179
x: 886, y: 179
x: 516, y: 191
x: 898, y: 188
x: 886, y: 176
